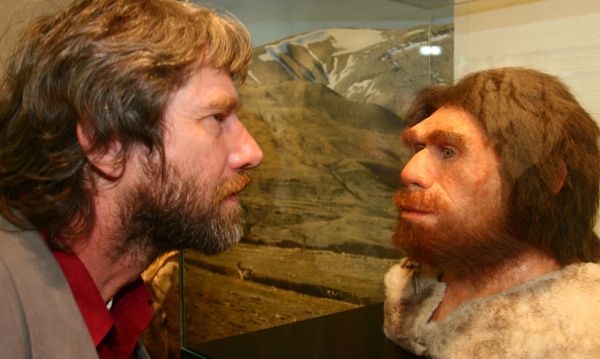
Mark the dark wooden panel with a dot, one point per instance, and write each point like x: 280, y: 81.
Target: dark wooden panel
x: 352, y: 334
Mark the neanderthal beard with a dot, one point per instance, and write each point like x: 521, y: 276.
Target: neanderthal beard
x: 164, y: 213
x: 466, y: 249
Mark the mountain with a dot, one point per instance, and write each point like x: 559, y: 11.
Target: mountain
x: 324, y: 107
x: 383, y: 67
x: 329, y: 167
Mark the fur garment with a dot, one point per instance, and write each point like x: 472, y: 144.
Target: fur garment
x: 556, y: 315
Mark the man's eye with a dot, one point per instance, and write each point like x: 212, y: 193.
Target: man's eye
x: 219, y: 117
x: 448, y: 152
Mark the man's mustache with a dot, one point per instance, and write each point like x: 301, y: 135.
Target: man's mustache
x: 232, y: 185
x: 417, y: 200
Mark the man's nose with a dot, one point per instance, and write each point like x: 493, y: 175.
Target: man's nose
x: 417, y: 171
x: 248, y: 153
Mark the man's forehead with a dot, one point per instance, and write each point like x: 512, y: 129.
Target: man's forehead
x: 206, y: 90
x: 204, y: 78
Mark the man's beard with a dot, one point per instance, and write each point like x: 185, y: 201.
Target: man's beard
x: 167, y: 212
x: 457, y: 243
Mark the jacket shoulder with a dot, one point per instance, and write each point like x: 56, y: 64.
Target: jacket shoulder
x: 38, y: 300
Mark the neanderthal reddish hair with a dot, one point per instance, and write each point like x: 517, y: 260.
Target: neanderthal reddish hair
x: 110, y: 66
x: 538, y: 130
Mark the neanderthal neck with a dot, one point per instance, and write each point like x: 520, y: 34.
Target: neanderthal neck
x: 460, y: 288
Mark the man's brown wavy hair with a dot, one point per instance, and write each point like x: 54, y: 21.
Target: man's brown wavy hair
x: 538, y: 129
x: 109, y: 66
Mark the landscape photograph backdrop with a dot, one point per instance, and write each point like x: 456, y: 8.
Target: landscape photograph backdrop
x: 326, y: 107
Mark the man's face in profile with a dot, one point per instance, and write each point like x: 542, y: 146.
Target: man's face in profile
x: 452, y: 205
x: 207, y: 149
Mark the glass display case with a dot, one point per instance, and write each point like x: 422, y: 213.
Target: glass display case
x: 324, y: 98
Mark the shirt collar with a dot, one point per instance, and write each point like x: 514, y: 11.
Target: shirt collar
x: 132, y: 306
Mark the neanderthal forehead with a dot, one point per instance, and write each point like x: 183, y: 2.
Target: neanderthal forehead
x: 411, y: 136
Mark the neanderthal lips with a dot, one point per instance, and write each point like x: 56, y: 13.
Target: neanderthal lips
x: 418, y: 205
x: 414, y: 210
x: 413, y: 213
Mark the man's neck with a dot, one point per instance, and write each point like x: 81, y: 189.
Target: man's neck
x: 101, y: 253
x: 110, y: 273
x: 523, y: 268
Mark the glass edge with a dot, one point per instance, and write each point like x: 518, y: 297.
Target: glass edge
x: 181, y: 303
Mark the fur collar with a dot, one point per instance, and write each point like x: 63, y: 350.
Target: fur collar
x: 556, y: 315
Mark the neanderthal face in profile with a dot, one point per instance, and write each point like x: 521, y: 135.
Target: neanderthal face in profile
x: 452, y: 208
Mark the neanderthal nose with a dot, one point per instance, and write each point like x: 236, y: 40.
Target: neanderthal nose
x: 416, y: 172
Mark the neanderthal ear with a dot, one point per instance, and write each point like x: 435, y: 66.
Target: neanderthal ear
x: 105, y: 161
x: 561, y: 176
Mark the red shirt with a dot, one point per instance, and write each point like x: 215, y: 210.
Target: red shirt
x: 115, y: 332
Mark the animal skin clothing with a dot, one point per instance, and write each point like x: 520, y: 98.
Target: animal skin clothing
x: 556, y: 315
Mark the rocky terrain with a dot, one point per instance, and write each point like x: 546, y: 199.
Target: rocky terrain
x: 325, y: 107
x: 376, y: 66
x: 329, y: 170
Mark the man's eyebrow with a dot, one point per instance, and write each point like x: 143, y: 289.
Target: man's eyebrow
x: 225, y: 103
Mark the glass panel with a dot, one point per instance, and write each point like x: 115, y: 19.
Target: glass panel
x: 326, y: 89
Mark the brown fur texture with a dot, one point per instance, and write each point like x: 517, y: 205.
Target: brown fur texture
x: 553, y: 316
x: 538, y: 130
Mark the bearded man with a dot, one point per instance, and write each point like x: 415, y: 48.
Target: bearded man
x: 119, y: 141
x: 496, y: 218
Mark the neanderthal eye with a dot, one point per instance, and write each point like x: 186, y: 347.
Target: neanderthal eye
x: 448, y: 152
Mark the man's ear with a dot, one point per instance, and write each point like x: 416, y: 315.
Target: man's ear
x: 561, y: 176
x: 106, y: 161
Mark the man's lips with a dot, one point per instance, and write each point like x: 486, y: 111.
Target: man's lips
x: 232, y: 198
x: 229, y: 190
